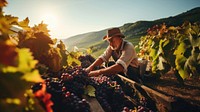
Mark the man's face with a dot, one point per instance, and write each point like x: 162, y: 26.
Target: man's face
x: 114, y: 42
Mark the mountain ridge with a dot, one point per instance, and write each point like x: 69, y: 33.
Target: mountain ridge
x: 132, y: 31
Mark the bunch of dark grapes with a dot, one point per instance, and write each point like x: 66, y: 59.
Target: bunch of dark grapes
x: 75, y: 79
x: 65, y: 100
x: 110, y: 94
x: 86, y: 60
x: 86, y: 57
x: 73, y: 103
x: 67, y: 90
x: 54, y: 87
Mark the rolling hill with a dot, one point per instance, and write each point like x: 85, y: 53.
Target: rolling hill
x: 132, y: 31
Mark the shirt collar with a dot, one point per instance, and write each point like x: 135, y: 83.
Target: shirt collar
x: 122, y: 45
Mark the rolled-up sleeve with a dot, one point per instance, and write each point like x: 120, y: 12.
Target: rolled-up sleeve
x: 106, y: 55
x: 128, y: 54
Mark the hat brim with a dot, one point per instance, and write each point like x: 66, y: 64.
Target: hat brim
x: 107, y: 37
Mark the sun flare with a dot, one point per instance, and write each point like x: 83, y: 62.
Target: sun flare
x: 50, y: 19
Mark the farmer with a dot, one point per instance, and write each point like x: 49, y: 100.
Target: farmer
x: 123, y: 53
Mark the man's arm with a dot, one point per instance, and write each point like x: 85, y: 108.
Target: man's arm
x: 97, y: 62
x: 114, y: 69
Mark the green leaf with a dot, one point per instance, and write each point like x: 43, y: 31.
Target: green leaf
x: 32, y: 76
x: 90, y: 90
x: 155, y: 65
x: 153, y: 53
x: 181, y: 49
x: 42, y: 27
x: 24, y: 23
x: 26, y: 61
x: 72, y: 60
x: 180, y: 62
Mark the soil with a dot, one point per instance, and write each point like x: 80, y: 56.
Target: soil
x: 168, y: 84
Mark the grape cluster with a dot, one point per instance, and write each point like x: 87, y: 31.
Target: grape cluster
x: 66, y: 90
x: 68, y: 87
x: 75, y: 79
x: 110, y: 94
x: 64, y: 100
x: 86, y: 60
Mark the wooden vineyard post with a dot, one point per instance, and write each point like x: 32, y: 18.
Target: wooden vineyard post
x: 94, y: 104
x: 162, y: 101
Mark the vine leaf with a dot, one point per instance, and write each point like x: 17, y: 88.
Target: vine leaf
x: 90, y: 90
x: 72, y: 58
x: 32, y: 76
x: 72, y: 61
x: 41, y: 28
x: 26, y: 60
x: 26, y: 64
x: 24, y: 24
x: 180, y: 62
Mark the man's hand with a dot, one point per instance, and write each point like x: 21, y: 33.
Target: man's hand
x: 88, y: 69
x: 94, y: 73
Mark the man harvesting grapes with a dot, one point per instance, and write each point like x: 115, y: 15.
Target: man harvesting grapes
x: 123, y: 53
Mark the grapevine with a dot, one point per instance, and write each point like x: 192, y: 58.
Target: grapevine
x: 50, y: 78
x: 175, y: 48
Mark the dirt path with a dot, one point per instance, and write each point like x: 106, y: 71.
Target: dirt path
x: 189, y: 93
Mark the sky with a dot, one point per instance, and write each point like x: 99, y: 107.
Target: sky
x: 66, y: 18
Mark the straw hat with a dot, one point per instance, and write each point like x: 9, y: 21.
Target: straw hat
x: 113, y: 32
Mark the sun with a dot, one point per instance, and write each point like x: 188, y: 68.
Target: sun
x: 51, y: 19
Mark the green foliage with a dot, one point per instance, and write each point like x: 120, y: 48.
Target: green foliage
x: 42, y: 46
x: 17, y: 70
x: 16, y: 78
x: 90, y: 90
x: 178, y: 47
x: 63, y: 51
x: 41, y: 28
x: 31, y: 48
x: 72, y: 58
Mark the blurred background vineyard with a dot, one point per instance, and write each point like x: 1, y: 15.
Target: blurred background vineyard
x: 27, y: 53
